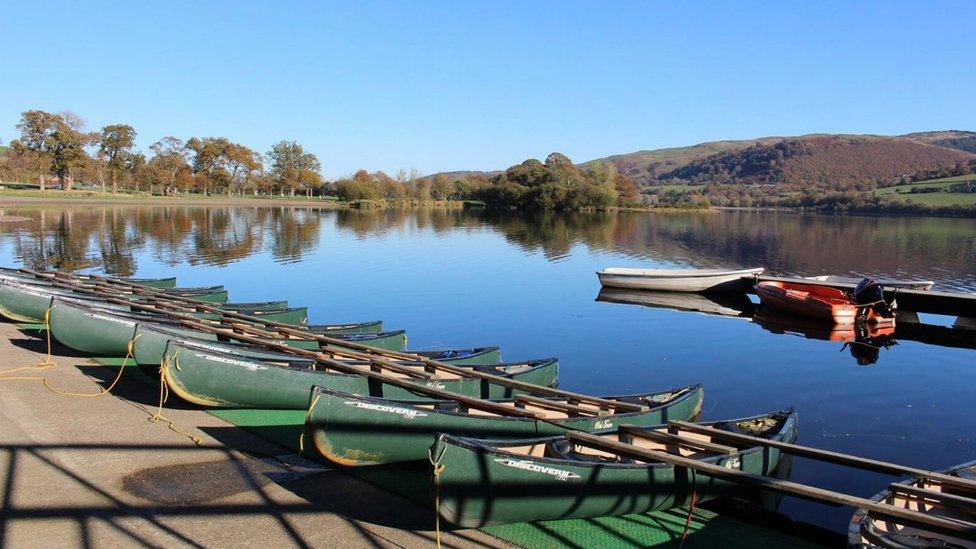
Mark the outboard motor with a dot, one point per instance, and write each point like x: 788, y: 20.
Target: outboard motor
x: 870, y: 292
x: 866, y: 348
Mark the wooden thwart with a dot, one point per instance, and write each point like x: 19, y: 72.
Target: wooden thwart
x: 827, y: 455
x: 558, y: 406
x: 940, y: 499
x: 667, y: 438
x: 879, y: 510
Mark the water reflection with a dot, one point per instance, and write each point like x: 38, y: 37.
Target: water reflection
x: 110, y: 237
x: 864, y: 341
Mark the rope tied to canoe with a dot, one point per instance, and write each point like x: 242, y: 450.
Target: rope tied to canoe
x: 438, y: 468
x: 691, y: 508
x: 49, y: 362
x: 164, y: 396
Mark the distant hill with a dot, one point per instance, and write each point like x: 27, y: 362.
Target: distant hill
x: 822, y: 159
x: 828, y: 161
x: 953, y: 139
x: 648, y: 165
x: 836, y: 162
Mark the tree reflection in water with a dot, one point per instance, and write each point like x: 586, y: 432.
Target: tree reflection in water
x: 110, y: 237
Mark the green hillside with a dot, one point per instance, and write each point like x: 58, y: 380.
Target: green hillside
x: 921, y: 192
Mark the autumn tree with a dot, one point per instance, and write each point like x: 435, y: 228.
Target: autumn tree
x: 441, y: 188
x: 209, y: 156
x: 115, y: 143
x: 242, y: 164
x: 291, y: 166
x: 57, y: 140
x: 627, y: 192
x: 169, y: 158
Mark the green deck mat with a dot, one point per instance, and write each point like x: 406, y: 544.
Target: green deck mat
x: 412, y: 481
x: 659, y: 529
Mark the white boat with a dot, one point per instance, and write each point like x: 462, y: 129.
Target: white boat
x: 730, y: 304
x: 886, y: 282
x: 679, y: 280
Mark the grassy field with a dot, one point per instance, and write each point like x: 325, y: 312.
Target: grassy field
x: 940, y: 198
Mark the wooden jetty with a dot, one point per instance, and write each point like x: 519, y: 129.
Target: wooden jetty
x: 922, y: 301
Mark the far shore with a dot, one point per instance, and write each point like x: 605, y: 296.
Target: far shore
x: 74, y: 197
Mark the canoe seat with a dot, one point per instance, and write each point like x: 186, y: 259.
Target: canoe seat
x: 629, y: 432
x: 571, y: 409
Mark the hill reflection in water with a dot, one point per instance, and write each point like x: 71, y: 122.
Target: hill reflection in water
x: 109, y: 238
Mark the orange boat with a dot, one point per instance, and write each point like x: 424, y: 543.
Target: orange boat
x: 811, y: 300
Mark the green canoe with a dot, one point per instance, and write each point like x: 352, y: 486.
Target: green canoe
x: 255, y: 306
x: 485, y: 482
x: 158, y: 283
x: 22, y: 301
x: 370, y: 327
x: 464, y: 357
x: 295, y: 316
x: 210, y: 294
x: 351, y: 429
x: 477, y: 356
x: 28, y: 303
x: 208, y: 376
x: 391, y: 341
x: 151, y: 342
x: 90, y: 328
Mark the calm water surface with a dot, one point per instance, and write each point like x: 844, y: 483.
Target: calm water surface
x: 527, y: 283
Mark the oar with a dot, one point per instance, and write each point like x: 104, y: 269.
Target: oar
x: 905, y: 516
x: 827, y: 456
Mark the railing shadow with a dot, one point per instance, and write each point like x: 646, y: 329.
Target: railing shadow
x: 201, y: 490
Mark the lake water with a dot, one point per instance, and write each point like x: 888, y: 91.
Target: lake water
x: 527, y: 283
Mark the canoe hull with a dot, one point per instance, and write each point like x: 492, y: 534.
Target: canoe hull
x: 296, y: 316
x: 91, y: 331
x: 158, y: 283
x: 479, y: 486
x: 370, y: 327
x: 479, y: 356
x: 677, y: 281
x: 26, y: 303
x: 352, y: 430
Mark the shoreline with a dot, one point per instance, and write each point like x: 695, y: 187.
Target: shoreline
x: 17, y: 199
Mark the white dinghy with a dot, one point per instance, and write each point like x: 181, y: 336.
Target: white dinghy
x: 679, y: 280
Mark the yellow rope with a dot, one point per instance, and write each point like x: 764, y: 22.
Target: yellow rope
x: 48, y: 362
x: 438, y: 469
x: 164, y: 395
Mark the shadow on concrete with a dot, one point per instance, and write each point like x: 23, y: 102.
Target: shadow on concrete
x: 197, y: 490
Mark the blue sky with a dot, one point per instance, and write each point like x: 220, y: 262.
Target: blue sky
x: 483, y: 85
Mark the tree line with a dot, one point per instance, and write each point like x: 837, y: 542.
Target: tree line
x: 556, y: 184
x: 59, y: 146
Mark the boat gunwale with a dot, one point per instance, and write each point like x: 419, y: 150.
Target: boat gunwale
x: 688, y: 392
